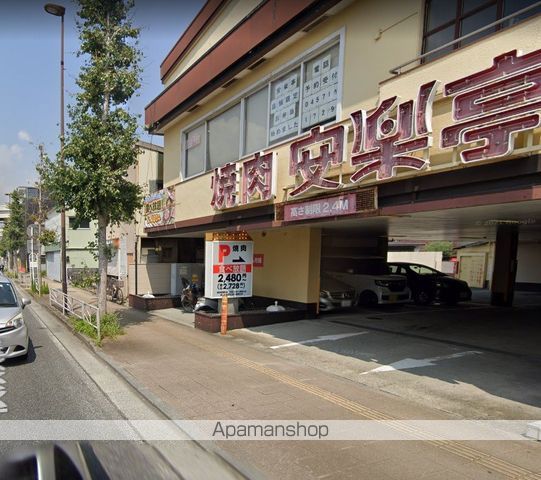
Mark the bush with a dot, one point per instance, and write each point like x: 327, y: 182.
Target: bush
x: 110, y: 327
x: 44, y: 288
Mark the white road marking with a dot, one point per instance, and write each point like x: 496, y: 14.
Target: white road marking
x: 408, y: 363
x: 321, y: 338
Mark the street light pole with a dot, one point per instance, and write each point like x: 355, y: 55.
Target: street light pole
x: 59, y: 11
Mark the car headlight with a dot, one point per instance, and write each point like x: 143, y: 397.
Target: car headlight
x: 381, y: 283
x: 17, y: 321
x: 324, y: 294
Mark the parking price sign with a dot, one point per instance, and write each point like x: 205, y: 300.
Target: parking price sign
x: 228, y: 268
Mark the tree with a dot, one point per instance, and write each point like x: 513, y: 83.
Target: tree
x: 445, y: 247
x: 101, y: 140
x: 14, y: 234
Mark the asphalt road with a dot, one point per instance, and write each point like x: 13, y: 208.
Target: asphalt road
x: 50, y: 385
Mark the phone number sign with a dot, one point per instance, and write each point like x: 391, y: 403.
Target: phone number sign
x: 228, y: 268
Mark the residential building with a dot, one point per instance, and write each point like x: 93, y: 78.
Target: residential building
x: 80, y: 255
x: 129, y: 241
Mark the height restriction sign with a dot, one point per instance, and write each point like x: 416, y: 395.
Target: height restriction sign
x: 228, y: 268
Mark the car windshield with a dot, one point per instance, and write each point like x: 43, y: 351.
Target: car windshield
x: 7, y: 297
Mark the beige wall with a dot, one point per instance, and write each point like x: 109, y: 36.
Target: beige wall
x: 529, y: 262
x: 234, y: 11
x: 291, y: 264
x: 153, y: 277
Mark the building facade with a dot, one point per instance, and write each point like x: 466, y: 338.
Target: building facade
x: 324, y: 128
x: 80, y: 256
x: 130, y: 249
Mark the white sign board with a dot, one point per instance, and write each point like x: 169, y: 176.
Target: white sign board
x: 228, y: 268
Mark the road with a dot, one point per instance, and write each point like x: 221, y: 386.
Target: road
x: 50, y: 385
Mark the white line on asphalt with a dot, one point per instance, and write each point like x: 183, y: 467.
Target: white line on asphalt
x: 408, y: 363
x: 321, y: 338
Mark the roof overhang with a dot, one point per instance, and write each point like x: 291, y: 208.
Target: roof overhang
x: 265, y: 28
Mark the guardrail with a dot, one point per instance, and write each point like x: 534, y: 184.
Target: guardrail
x: 76, y: 307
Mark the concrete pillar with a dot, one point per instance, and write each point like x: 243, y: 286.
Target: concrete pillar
x: 382, y: 247
x: 505, y: 266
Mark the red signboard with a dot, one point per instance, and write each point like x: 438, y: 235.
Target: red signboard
x: 322, y: 207
x: 259, y: 259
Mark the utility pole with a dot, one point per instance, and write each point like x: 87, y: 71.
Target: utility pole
x: 40, y: 218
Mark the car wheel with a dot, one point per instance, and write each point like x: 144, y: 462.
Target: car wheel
x: 422, y: 297
x: 368, y: 299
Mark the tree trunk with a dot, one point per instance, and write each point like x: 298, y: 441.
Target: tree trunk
x: 102, y: 263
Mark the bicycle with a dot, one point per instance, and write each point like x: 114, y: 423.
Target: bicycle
x: 189, y: 296
x: 114, y: 291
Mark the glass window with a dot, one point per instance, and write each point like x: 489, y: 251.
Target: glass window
x: 195, y: 151
x: 449, y: 20
x: 255, y: 135
x: 224, y: 137
x: 440, y: 12
x: 81, y: 225
x: 423, y: 270
x: 284, y: 107
x: 320, y: 89
x: 7, y: 297
x: 470, y: 5
x: 511, y: 6
x: 476, y: 21
x: 437, y: 39
x: 269, y: 115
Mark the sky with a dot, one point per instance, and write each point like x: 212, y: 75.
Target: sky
x: 30, y: 75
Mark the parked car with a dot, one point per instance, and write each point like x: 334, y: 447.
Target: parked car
x: 429, y: 285
x: 334, y: 294
x: 371, y: 279
x: 13, y: 330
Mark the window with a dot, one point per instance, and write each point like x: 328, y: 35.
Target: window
x: 194, y: 144
x: 83, y: 224
x: 447, y: 20
x: 423, y: 270
x: 255, y: 134
x: 224, y: 137
x: 305, y: 96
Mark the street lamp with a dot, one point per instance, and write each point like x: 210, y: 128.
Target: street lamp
x: 59, y: 11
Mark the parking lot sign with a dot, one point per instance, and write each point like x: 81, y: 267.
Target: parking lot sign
x: 228, y: 265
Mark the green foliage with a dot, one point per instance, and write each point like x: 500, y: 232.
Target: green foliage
x: 14, y: 233
x: 87, y: 279
x: 110, y: 327
x: 48, y: 237
x: 44, y: 288
x: 445, y: 247
x: 102, y: 133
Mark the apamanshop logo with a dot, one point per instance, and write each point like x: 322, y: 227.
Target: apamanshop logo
x: 3, y: 406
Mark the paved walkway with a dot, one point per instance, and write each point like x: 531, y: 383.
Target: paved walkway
x: 203, y: 376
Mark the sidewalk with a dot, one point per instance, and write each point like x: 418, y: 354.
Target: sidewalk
x: 191, y: 374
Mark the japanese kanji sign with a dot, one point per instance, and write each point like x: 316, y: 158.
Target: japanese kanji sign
x: 322, y: 207
x: 492, y: 105
x: 382, y: 144
x: 228, y: 268
x: 258, y: 178
x: 489, y: 108
x: 313, y: 169
x: 159, y: 208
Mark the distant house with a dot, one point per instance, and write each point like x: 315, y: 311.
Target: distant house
x: 78, y: 253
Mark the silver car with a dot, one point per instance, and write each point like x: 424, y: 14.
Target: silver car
x: 13, y: 330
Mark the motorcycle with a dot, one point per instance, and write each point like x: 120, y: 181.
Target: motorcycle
x: 189, y: 296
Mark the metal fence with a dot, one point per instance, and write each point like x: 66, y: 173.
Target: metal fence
x: 73, y: 306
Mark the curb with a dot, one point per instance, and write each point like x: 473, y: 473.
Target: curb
x: 152, y: 399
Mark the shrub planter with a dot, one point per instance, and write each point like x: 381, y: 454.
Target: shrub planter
x: 157, y: 303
